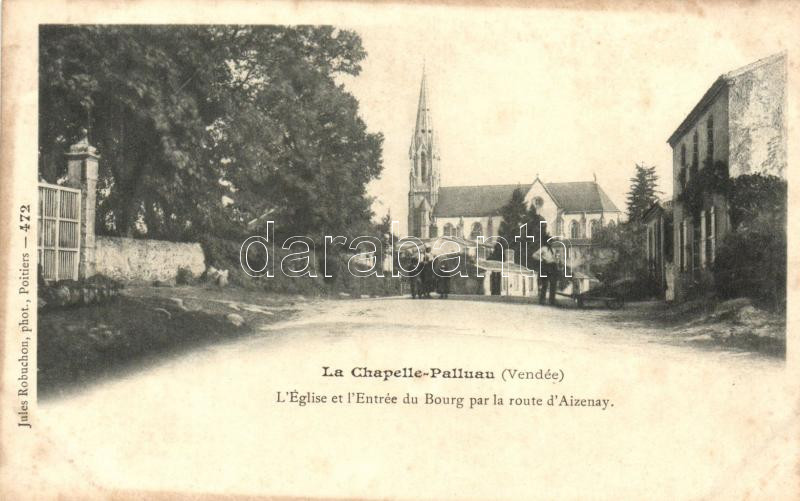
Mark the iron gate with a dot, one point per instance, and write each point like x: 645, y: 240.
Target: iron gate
x: 59, y: 231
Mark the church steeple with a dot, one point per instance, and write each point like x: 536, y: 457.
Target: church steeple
x: 424, y: 124
x: 423, y: 135
x: 424, y: 176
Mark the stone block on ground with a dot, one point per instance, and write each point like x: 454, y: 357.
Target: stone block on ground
x: 236, y: 320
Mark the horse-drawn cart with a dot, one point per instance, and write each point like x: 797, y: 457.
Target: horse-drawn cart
x: 611, y: 296
x: 612, y: 302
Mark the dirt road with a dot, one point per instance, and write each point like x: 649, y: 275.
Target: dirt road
x: 220, y: 419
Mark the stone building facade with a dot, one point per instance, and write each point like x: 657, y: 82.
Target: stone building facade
x: 740, y: 123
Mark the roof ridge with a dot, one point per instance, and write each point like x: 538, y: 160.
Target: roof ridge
x: 721, y: 82
x: 481, y: 185
x: 574, y: 182
x: 755, y: 64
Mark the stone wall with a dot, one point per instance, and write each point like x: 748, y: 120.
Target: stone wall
x: 130, y: 259
x: 757, y: 112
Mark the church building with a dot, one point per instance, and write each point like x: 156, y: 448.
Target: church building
x: 573, y: 210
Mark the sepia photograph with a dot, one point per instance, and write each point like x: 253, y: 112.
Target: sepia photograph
x: 417, y: 252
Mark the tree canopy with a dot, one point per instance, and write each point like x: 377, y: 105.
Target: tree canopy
x: 643, y: 191
x: 516, y: 213
x: 204, y: 128
x: 626, y: 241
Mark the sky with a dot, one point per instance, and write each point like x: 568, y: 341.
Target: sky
x: 565, y: 95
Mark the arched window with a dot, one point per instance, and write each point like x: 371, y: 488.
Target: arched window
x: 449, y: 230
x: 574, y: 230
x: 477, y: 230
x: 424, y: 168
x: 594, y: 226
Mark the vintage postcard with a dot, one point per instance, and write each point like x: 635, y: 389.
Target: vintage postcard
x: 399, y: 250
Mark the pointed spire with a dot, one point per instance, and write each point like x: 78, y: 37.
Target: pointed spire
x: 424, y: 124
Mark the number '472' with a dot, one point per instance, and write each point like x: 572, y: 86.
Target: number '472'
x: 25, y: 217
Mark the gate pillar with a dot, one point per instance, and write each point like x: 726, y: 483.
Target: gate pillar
x: 82, y: 165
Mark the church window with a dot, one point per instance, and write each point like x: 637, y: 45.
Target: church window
x: 477, y: 230
x: 424, y: 168
x: 594, y: 227
x: 574, y: 230
x: 538, y: 202
x: 449, y: 230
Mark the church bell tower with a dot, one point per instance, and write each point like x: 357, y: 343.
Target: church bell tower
x: 423, y: 154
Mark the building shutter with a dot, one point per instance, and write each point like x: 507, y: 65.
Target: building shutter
x: 712, y: 235
x: 685, y: 245
x: 703, y: 237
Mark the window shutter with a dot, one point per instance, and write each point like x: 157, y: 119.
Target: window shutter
x: 703, y: 239
x: 712, y: 232
x: 684, y: 245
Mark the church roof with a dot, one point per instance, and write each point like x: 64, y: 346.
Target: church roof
x: 581, y: 196
x: 455, y: 201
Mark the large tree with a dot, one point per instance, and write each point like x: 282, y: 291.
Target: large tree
x: 202, y: 129
x: 516, y: 213
x: 625, y: 242
x: 643, y: 191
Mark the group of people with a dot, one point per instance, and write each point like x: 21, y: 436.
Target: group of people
x: 425, y: 281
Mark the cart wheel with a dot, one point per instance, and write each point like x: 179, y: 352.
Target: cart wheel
x: 615, y: 303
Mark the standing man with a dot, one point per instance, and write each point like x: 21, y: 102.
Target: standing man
x: 547, y: 278
x: 558, y: 272
x: 428, y: 277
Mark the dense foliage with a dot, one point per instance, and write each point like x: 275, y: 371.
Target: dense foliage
x: 757, y: 200
x: 751, y: 260
x: 711, y: 179
x: 515, y: 214
x: 204, y: 128
x: 626, y: 241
